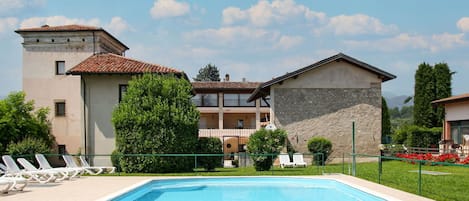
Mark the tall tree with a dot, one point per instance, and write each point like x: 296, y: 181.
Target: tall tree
x: 443, y: 76
x: 20, y: 120
x: 424, y: 93
x: 208, y: 73
x: 385, y: 121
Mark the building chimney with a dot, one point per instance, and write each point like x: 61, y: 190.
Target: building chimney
x: 227, y: 77
x: 244, y: 79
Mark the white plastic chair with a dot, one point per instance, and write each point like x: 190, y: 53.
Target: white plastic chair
x: 14, y: 171
x: 108, y: 169
x: 30, y: 167
x: 44, y: 165
x: 285, y: 161
x: 298, y: 160
x: 19, y: 183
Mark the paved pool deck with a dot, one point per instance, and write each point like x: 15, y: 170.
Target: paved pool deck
x: 101, y: 187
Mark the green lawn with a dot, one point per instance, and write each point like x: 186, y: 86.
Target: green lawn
x: 395, y: 174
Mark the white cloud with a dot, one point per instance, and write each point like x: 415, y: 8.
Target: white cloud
x: 463, y: 24
x: 447, y: 41
x: 287, y: 42
x: 7, y: 24
x: 228, y: 34
x: 397, y: 43
x: 356, y: 24
x: 265, y: 13
x: 13, y: 5
x: 57, y: 21
x: 117, y: 25
x: 169, y: 8
x: 233, y: 14
x: 403, y: 41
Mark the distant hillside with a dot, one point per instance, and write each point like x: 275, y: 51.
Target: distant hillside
x: 397, y: 101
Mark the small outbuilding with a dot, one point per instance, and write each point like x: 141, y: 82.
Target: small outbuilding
x: 323, y: 99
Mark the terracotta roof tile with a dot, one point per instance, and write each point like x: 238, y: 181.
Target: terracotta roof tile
x: 453, y: 99
x: 72, y: 27
x: 115, y: 64
x: 225, y: 85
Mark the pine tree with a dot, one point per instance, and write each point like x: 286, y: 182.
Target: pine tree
x: 442, y: 75
x: 424, y: 94
x: 385, y: 121
x: 208, y: 73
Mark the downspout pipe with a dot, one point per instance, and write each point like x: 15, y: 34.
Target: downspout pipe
x: 85, y: 122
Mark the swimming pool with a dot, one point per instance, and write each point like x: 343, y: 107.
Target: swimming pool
x: 246, y: 189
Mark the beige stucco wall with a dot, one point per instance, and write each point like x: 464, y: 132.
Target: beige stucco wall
x: 44, y: 87
x: 457, y: 111
x: 102, y: 96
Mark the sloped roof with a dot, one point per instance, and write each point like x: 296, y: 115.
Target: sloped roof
x: 225, y: 85
x: 109, y: 63
x: 67, y: 28
x: 264, y: 89
x: 71, y: 27
x: 452, y: 99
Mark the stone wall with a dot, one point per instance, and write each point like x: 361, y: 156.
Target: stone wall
x: 329, y: 112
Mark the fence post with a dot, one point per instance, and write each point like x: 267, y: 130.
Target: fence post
x: 343, y: 163
x: 195, y: 161
x: 353, y: 149
x: 380, y: 169
x: 420, y: 178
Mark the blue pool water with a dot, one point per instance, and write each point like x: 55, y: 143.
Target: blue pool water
x: 246, y: 189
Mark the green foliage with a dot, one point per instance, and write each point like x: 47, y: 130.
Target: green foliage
x: 115, y: 160
x: 442, y: 89
x: 156, y: 116
x: 417, y: 136
x: 18, y: 121
x: 210, y: 145
x: 385, y: 121
x: 208, y: 73
x: 424, y: 94
x: 28, y: 147
x: 321, y: 148
x: 266, y: 142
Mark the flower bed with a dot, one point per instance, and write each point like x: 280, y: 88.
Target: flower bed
x: 446, y: 158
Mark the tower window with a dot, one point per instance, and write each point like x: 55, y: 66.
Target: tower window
x: 60, y: 67
x: 60, y: 108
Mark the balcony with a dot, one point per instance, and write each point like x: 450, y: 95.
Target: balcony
x: 220, y: 133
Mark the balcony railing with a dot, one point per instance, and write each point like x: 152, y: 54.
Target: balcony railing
x: 225, y: 132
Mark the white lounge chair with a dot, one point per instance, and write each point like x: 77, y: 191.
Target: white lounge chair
x: 90, y: 170
x: 60, y: 175
x: 18, y: 182
x: 108, y: 169
x: 285, y: 161
x: 44, y: 165
x: 298, y: 160
x: 14, y: 171
x: 7, y: 185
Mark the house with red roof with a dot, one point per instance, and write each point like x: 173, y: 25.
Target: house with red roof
x: 226, y: 114
x: 80, y: 73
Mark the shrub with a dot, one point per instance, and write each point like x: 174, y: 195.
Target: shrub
x: 211, y: 145
x: 416, y: 136
x: 265, y: 145
x: 156, y: 116
x: 27, y: 148
x: 115, y: 160
x: 321, y: 148
x: 20, y: 120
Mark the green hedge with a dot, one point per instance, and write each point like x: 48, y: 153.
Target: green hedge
x: 29, y: 146
x: 266, y: 142
x: 321, y: 148
x: 156, y: 116
x: 209, y: 145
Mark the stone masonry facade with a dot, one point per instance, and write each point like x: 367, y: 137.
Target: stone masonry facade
x: 329, y: 112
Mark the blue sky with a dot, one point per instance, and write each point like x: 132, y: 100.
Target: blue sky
x: 258, y: 40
